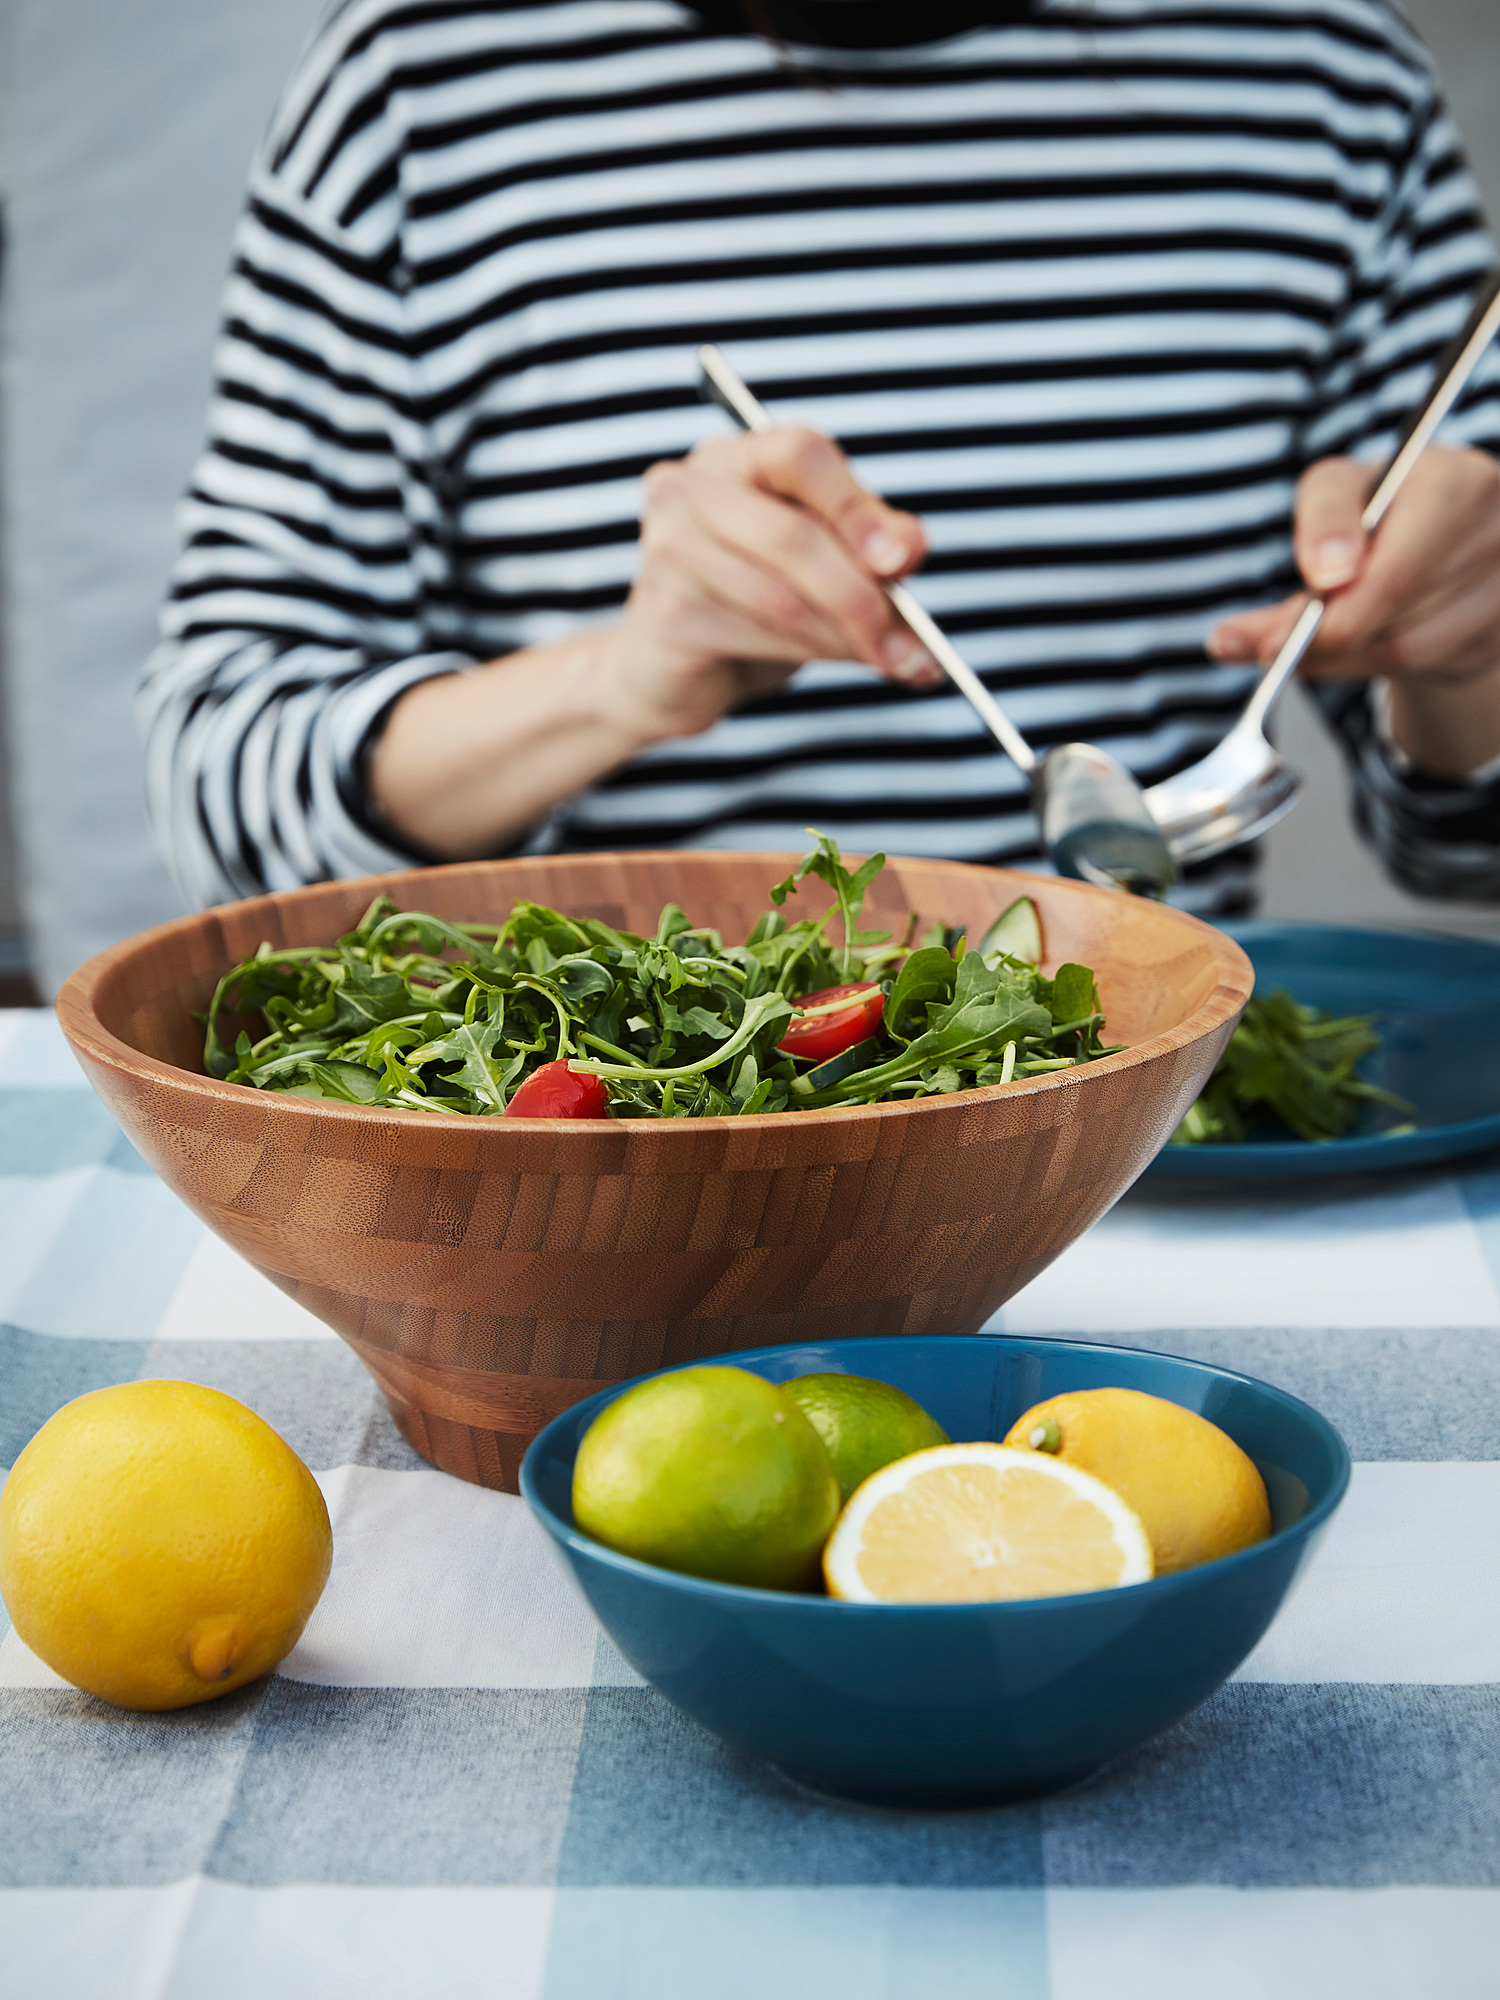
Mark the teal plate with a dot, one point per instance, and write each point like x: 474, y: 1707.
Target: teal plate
x: 1438, y: 999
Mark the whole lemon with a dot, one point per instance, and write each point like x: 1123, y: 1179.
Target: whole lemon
x: 1197, y: 1494
x: 160, y: 1544
x: 865, y: 1424
x: 714, y: 1471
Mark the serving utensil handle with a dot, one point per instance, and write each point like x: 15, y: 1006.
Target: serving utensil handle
x: 722, y: 386
x: 1455, y: 366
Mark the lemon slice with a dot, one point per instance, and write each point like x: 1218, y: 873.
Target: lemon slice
x: 967, y: 1523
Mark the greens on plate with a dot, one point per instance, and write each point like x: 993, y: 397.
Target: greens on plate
x: 548, y: 1015
x: 1290, y: 1066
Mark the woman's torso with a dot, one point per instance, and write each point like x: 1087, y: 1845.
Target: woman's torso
x: 1078, y: 295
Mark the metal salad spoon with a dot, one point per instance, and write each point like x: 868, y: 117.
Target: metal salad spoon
x: 1242, y: 787
x: 1095, y: 820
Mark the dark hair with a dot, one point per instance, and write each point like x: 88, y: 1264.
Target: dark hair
x: 857, y: 24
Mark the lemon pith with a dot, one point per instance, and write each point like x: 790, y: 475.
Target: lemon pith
x: 160, y: 1544
x: 970, y: 1523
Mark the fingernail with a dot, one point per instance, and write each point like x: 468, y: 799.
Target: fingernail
x: 907, y: 660
x: 1228, y: 642
x: 883, y: 552
x: 1333, y: 562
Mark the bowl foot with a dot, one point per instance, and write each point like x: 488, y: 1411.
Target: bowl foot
x: 483, y: 1457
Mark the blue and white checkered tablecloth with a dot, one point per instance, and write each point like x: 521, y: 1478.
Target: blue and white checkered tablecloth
x: 455, y: 1784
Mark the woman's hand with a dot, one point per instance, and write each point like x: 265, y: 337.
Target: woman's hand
x: 758, y: 552
x: 1416, y: 605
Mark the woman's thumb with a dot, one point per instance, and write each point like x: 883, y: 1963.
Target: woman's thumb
x: 1330, y: 541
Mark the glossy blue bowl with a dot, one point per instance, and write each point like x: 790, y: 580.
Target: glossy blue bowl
x: 908, y: 1704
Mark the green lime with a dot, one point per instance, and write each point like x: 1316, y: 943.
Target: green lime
x: 714, y: 1471
x: 864, y: 1424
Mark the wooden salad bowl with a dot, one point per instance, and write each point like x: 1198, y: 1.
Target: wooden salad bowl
x: 490, y: 1272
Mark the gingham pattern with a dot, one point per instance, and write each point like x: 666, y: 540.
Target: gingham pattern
x: 456, y: 1785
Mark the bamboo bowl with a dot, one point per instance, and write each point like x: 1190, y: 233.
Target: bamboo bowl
x: 490, y: 1273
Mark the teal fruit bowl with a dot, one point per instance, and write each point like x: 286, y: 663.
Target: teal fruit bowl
x: 916, y: 1704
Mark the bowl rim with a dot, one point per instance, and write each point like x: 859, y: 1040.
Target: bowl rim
x: 808, y: 1604
x: 89, y: 1038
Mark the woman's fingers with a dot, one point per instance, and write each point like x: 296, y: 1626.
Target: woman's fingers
x: 711, y: 583
x: 1439, y: 524
x: 758, y: 552
x: 801, y: 557
x: 1418, y: 596
x: 1256, y: 635
x: 722, y: 516
x: 810, y: 470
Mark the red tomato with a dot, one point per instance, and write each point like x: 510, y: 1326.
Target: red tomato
x: 555, y: 1091
x: 815, y: 1036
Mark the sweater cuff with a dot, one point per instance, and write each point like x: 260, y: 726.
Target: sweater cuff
x: 1438, y: 837
x: 351, y: 725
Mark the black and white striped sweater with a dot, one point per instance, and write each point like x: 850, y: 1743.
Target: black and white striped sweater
x: 1086, y: 291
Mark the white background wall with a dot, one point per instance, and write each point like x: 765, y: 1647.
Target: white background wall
x: 125, y: 130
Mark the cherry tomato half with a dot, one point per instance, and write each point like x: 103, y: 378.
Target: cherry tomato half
x: 555, y: 1091
x: 814, y: 1036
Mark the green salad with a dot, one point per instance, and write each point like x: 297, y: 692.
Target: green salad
x: 548, y: 1015
x: 1291, y: 1066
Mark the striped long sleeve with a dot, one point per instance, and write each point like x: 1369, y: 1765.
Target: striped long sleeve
x: 1087, y: 291
x: 302, y: 605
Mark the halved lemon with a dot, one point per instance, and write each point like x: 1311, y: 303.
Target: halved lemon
x: 967, y: 1523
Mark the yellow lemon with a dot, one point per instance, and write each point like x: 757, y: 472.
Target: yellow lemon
x: 964, y: 1523
x: 1198, y: 1494
x: 160, y: 1544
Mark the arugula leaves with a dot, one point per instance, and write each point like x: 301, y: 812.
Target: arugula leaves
x: 825, y: 862
x: 410, y: 1010
x: 1291, y: 1064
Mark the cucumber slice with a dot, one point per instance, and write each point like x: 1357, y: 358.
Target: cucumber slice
x: 1016, y: 932
x: 845, y: 1063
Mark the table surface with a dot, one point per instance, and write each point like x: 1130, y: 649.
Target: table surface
x: 455, y: 1783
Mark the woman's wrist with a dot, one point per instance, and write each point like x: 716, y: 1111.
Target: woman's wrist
x: 1448, y: 726
x: 467, y: 763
